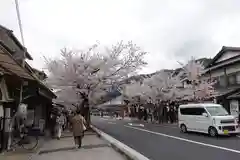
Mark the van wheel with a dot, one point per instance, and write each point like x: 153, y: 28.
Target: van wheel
x: 212, y: 132
x: 183, y: 128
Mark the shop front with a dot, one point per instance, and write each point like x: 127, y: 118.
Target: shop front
x: 234, y: 105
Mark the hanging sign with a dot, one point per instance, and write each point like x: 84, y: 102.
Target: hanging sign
x: 234, y: 108
x: 22, y: 110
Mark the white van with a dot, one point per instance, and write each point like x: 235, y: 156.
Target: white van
x: 207, y: 118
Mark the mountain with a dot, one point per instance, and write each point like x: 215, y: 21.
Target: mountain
x: 204, y: 61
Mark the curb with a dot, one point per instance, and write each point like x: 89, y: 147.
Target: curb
x: 120, y: 147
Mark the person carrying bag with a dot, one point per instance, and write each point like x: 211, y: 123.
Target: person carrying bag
x: 78, y: 127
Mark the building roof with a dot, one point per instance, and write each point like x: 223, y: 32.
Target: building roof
x: 11, y: 67
x: 10, y: 40
x: 225, y: 63
x: 221, y: 52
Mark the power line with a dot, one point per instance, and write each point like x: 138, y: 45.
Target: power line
x: 20, y: 27
x: 24, y: 48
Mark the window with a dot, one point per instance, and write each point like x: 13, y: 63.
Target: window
x: 222, y: 81
x: 217, y: 111
x: 232, y: 79
x: 238, y: 78
x: 192, y: 111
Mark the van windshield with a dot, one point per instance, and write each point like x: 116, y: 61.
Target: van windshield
x: 217, y: 111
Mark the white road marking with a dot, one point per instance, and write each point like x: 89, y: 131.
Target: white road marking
x: 186, y: 140
x: 238, y: 136
x: 166, y: 126
x: 105, y: 119
x: 111, y: 123
x: 135, y: 124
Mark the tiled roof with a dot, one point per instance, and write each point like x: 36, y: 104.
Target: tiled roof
x: 221, y: 52
x: 9, y: 66
x: 10, y: 40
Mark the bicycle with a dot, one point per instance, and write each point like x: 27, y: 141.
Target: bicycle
x: 27, y: 140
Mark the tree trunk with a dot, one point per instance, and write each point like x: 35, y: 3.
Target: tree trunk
x: 88, y: 117
x: 160, y: 114
x: 86, y: 109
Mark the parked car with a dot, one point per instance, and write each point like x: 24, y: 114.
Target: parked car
x: 207, y: 118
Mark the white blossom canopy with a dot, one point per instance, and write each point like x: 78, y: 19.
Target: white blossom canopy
x: 200, y: 86
x: 168, y: 86
x: 94, y: 70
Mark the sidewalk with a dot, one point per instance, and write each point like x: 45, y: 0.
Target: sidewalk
x: 93, y: 148
x: 20, y: 153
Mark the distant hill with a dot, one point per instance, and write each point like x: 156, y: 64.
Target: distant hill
x: 204, y: 61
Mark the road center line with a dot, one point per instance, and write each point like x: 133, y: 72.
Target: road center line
x: 186, y: 140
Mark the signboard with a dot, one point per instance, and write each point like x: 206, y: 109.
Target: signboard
x: 22, y: 110
x: 234, y: 107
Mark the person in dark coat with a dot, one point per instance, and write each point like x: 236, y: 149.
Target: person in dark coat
x: 52, y: 124
x: 78, y: 127
x: 145, y: 114
x: 171, y: 114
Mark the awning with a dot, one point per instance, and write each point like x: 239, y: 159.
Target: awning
x: 228, y: 92
x: 11, y: 67
x: 46, y: 92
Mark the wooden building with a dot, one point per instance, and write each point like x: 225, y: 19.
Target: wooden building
x: 225, y: 69
x: 20, y: 82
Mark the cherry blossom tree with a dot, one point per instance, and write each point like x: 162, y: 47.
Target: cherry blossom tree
x: 135, y: 91
x: 162, y: 86
x: 196, y: 86
x: 89, y: 73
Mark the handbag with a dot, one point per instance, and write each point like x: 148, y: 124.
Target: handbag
x: 84, y: 127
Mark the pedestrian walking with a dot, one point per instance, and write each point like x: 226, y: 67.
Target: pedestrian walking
x: 171, y: 114
x: 145, y: 115
x: 52, y: 124
x: 78, y: 127
x: 59, y: 125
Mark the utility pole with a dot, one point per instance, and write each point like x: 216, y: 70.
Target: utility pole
x: 8, y: 122
x: 24, y: 48
x: 22, y: 38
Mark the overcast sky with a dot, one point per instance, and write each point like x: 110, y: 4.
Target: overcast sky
x: 170, y: 30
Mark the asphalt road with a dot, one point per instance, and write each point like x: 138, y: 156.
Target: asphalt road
x: 167, y: 143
